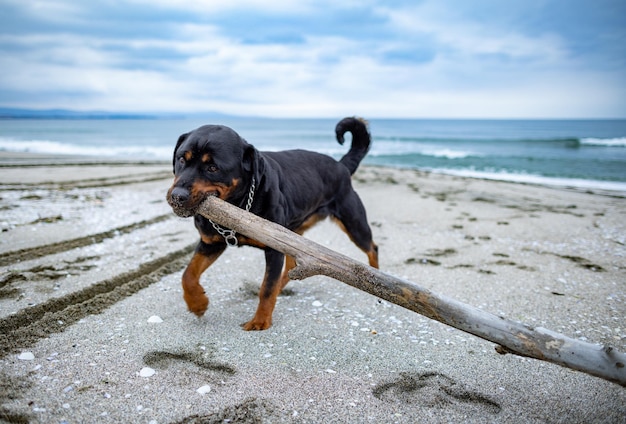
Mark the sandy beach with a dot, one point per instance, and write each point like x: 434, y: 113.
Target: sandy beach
x: 93, y: 327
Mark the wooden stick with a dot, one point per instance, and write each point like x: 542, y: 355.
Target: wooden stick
x: 510, y: 336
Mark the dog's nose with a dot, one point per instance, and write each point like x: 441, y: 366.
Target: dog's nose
x: 179, y: 195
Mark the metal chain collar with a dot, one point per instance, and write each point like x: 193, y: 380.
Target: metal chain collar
x: 230, y: 236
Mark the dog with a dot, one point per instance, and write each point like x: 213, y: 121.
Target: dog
x: 293, y: 188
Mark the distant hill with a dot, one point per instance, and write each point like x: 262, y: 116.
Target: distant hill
x: 15, y: 113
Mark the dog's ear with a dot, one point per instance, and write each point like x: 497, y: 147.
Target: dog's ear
x: 249, y: 158
x: 178, y: 143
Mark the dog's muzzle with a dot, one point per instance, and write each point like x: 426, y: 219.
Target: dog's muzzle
x: 178, y: 199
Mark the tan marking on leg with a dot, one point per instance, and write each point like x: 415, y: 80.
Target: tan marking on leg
x: 193, y: 293
x: 290, y: 263
x: 372, y: 255
x: 262, y: 319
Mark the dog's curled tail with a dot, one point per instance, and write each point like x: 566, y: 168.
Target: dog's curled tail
x: 360, y: 141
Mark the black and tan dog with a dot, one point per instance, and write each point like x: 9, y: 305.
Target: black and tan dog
x: 294, y: 188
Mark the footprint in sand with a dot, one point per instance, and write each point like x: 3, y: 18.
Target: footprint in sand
x: 441, y: 252
x: 42, y: 275
x: 181, y: 360
x: 251, y: 410
x: 434, y: 390
x: 423, y: 261
x: 12, y: 389
x: 437, y: 253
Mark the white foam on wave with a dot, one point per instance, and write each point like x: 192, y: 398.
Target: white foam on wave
x: 535, y: 179
x: 447, y: 153
x: 56, y: 148
x: 399, y: 148
x: 607, y: 142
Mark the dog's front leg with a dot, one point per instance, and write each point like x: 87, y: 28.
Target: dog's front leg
x: 270, y: 288
x: 193, y: 293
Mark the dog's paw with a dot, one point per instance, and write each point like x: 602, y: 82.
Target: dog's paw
x: 256, y: 324
x: 197, y: 304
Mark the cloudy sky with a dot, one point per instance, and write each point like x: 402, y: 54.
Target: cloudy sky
x: 317, y: 58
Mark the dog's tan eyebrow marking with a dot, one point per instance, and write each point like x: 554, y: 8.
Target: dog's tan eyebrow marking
x: 206, y: 157
x: 188, y: 155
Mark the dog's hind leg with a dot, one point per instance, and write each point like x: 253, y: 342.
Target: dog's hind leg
x: 270, y: 288
x: 363, y: 242
x: 193, y: 293
x: 352, y: 219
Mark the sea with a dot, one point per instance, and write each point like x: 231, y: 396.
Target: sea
x: 573, y: 153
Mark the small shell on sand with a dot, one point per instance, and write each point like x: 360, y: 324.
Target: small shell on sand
x: 204, y: 389
x: 147, y: 372
x: 26, y: 356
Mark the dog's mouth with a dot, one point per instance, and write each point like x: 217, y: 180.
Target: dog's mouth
x: 186, y: 206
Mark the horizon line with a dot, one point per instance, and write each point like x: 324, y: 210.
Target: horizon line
x: 60, y: 113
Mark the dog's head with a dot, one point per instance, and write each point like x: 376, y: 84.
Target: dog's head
x: 212, y: 160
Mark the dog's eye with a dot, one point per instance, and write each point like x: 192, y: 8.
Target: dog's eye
x: 211, y: 167
x: 181, y: 161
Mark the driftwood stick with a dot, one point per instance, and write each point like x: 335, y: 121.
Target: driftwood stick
x: 510, y: 336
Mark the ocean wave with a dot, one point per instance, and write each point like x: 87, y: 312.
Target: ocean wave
x: 607, y: 142
x: 534, y: 179
x: 57, y: 148
x: 401, y: 148
x: 381, y: 149
x: 447, y: 153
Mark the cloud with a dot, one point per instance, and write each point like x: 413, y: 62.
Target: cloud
x: 316, y: 58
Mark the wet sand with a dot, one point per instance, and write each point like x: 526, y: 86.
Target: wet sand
x: 94, y: 328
